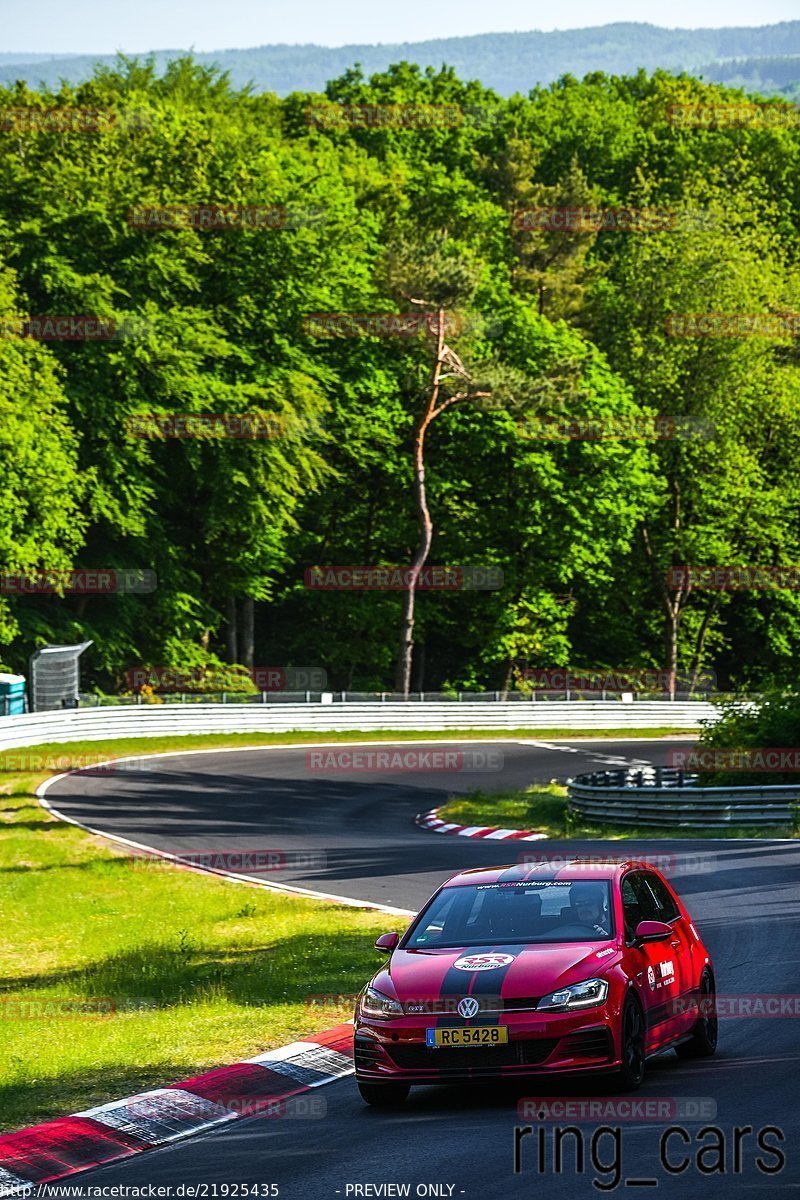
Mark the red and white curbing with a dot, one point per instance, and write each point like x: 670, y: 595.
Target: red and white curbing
x: 259, y: 1086
x: 431, y: 820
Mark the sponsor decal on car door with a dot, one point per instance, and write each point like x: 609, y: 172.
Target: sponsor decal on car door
x: 677, y: 950
x: 654, y: 965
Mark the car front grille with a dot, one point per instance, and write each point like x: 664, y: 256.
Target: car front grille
x: 478, y: 1058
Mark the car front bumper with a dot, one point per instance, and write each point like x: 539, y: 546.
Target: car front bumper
x: 539, y: 1044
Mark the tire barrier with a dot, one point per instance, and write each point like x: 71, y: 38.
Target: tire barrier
x: 668, y: 796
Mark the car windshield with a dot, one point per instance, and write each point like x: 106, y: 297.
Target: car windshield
x: 544, y: 911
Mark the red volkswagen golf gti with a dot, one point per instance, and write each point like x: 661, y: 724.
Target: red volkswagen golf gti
x: 516, y: 971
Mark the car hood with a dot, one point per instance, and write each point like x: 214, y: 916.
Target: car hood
x: 511, y: 971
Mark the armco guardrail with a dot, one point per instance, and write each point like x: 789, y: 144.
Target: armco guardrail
x: 157, y: 720
x: 91, y: 699
x: 667, y: 796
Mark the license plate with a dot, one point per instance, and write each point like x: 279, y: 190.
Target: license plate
x: 467, y: 1035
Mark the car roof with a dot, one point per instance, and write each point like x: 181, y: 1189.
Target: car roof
x: 562, y: 869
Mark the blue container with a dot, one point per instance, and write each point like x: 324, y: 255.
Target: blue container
x: 12, y: 695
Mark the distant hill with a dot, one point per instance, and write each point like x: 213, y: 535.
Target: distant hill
x: 767, y: 75
x: 7, y: 59
x: 762, y: 58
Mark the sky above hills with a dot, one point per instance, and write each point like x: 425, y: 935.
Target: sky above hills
x: 97, y: 27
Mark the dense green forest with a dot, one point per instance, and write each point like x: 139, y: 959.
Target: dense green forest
x: 547, y: 330
x: 764, y: 58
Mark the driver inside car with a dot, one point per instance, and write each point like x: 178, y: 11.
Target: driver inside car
x: 587, y: 907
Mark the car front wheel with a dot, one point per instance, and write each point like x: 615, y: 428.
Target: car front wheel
x: 631, y: 1072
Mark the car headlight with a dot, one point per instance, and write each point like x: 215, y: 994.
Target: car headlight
x: 577, y: 995
x: 375, y: 1004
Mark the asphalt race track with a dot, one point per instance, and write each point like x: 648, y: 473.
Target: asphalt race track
x: 352, y: 834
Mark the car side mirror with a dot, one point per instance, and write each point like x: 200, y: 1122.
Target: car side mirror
x: 652, y: 931
x: 387, y: 942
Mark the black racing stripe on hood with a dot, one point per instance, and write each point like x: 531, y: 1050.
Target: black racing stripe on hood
x: 458, y: 983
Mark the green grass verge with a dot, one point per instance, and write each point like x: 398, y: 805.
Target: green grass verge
x: 544, y: 808
x: 196, y: 971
